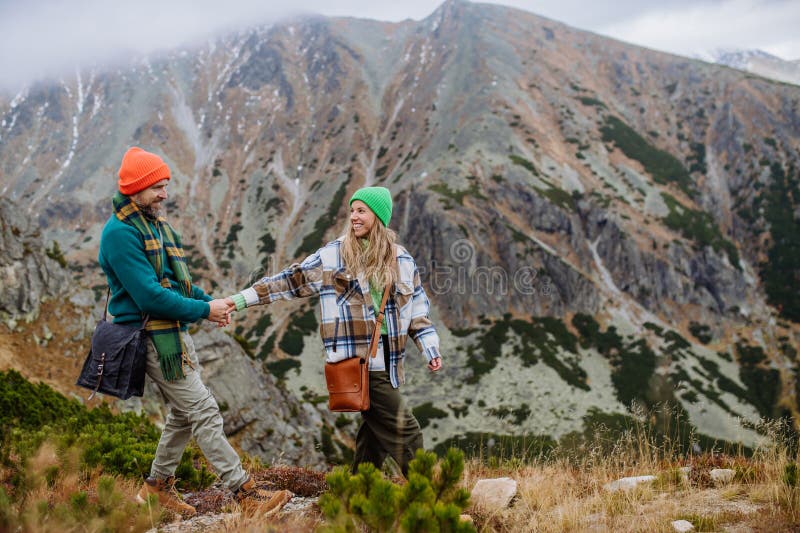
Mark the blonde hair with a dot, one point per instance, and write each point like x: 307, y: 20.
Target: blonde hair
x: 377, y: 261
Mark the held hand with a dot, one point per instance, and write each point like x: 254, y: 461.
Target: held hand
x: 231, y: 305
x: 219, y: 313
x: 435, y: 364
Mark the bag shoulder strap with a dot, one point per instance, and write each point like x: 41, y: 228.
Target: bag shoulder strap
x: 373, y: 345
x: 145, y: 318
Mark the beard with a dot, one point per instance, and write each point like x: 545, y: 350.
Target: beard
x: 152, y: 211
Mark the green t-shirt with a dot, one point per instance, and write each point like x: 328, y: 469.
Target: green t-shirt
x: 376, y: 292
x: 377, y: 295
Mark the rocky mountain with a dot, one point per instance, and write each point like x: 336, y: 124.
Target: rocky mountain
x: 760, y: 63
x: 598, y: 225
x: 45, y: 332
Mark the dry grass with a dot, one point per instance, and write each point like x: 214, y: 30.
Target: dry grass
x: 567, y: 494
x: 563, y: 493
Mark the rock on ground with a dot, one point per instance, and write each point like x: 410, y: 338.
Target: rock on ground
x: 494, y: 494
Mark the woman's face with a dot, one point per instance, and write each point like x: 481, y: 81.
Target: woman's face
x: 361, y: 218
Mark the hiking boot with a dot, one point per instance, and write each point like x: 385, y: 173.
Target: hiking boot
x: 266, y: 502
x: 167, y: 494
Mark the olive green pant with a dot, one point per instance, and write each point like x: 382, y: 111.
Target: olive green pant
x: 388, y: 428
x: 193, y: 412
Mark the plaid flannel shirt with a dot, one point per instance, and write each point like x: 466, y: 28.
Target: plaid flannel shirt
x: 347, y: 312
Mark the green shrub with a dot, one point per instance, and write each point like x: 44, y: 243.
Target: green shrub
x: 497, y: 448
x: 244, y: 343
x: 544, y: 337
x: 587, y: 100
x: 782, y: 268
x: 425, y: 412
x: 106, y: 509
x: 120, y: 444
x: 633, y: 364
x: 267, y: 347
x: 56, y: 254
x: 267, y: 244
x: 663, y: 166
x: 701, y: 332
x: 430, y: 501
x: 314, y: 240
x: 302, y: 325
x: 261, y: 326
x: 457, y: 195
x: 557, y: 196
x: 699, y: 227
x: 280, y: 367
x: 292, y: 342
x: 763, y: 384
x: 521, y: 161
x: 233, y: 233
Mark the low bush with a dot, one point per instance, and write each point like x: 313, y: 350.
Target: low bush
x: 430, y: 501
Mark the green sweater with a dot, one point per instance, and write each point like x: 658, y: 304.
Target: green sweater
x: 135, y: 287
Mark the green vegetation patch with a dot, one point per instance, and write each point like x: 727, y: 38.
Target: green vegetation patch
x: 266, y: 244
x: 56, y: 254
x: 280, y: 367
x: 545, y: 338
x: 521, y: 161
x: 301, y: 325
x: 122, y: 444
x: 663, y: 166
x: 431, y: 500
x: 700, y: 332
x: 763, y: 383
x: 781, y: 270
x: 515, y: 415
x: 314, y: 240
x: 633, y: 363
x: 261, y: 326
x: 557, y: 196
x: 699, y: 227
x: 426, y: 412
x: 493, y: 447
x: 587, y: 100
x: 457, y: 195
x: 663, y: 430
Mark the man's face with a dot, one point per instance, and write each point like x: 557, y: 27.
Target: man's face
x: 150, y: 199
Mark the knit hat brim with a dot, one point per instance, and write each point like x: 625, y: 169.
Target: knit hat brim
x: 139, y: 170
x: 156, y: 175
x: 378, y: 199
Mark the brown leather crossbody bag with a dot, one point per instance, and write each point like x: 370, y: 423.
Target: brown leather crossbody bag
x: 348, y: 380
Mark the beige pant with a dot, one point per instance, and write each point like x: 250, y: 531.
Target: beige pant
x: 193, y: 412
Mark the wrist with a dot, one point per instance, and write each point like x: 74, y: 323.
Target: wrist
x: 239, y: 300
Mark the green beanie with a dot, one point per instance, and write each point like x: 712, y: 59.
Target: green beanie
x: 379, y: 199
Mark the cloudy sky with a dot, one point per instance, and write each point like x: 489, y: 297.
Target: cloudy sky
x: 48, y: 38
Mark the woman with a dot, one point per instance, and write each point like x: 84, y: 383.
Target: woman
x: 350, y: 275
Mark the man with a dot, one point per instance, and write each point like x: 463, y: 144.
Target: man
x: 143, y: 260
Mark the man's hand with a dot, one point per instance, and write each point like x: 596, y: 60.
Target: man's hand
x: 231, y: 305
x: 219, y: 313
x: 435, y: 364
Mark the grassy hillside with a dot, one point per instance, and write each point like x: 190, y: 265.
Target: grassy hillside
x: 64, y: 467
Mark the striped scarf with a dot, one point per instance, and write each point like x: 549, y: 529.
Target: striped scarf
x: 165, y: 334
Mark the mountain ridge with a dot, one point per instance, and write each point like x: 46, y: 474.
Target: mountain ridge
x: 639, y: 187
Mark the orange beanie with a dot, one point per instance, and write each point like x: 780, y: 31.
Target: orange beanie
x: 140, y: 170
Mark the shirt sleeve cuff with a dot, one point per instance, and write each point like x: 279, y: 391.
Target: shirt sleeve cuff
x: 239, y: 300
x: 432, y: 353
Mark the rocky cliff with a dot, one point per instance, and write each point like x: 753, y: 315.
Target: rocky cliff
x: 47, y: 323
x: 598, y: 224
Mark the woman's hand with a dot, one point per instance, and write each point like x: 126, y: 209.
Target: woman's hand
x: 435, y: 364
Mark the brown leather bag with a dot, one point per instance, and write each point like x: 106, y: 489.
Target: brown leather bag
x: 348, y: 380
